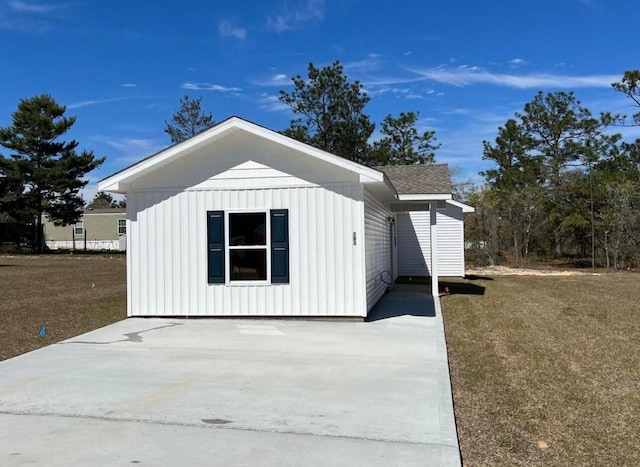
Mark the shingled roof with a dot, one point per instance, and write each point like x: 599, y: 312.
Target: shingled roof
x: 418, y: 179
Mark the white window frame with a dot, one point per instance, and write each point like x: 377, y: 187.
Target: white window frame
x: 118, y: 227
x: 228, y: 247
x: 75, y: 228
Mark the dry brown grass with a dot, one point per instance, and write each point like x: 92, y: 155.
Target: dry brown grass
x: 67, y: 294
x: 546, y: 370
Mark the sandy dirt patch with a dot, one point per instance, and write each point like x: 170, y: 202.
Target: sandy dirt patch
x: 507, y: 271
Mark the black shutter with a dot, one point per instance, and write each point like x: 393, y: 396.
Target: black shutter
x: 280, y: 246
x: 215, y: 244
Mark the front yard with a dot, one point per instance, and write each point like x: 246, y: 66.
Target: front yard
x: 546, y: 370
x: 66, y: 294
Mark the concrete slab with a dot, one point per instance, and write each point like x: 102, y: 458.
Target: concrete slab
x: 234, y: 392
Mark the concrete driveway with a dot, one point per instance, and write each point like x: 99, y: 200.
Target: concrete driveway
x: 234, y: 393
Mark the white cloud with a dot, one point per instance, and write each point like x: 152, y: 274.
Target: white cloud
x: 79, y: 105
x: 464, y: 76
x: 271, y: 103
x: 518, y: 62
x: 129, y: 85
x: 28, y: 7
x: 226, y: 29
x: 131, y: 149
x: 208, y: 87
x: 279, y: 79
x: 293, y: 14
x: 278, y: 23
x: 29, y: 17
x: 371, y: 63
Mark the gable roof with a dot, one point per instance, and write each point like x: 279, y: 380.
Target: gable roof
x: 419, y: 179
x: 118, y: 182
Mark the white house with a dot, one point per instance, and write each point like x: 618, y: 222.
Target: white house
x: 243, y: 221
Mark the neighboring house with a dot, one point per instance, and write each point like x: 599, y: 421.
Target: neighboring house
x: 100, y: 229
x: 243, y: 221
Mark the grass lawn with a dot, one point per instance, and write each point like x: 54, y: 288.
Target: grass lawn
x: 546, y: 370
x: 67, y: 294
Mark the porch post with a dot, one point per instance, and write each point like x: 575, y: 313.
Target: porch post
x: 433, y: 240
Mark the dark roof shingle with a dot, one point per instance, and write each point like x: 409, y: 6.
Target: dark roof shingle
x: 418, y: 179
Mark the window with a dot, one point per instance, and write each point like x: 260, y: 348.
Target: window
x: 78, y: 228
x: 248, y: 246
x: 122, y: 226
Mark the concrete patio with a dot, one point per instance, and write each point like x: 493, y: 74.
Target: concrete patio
x: 238, y: 392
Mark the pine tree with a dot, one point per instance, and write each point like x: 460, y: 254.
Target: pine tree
x: 188, y: 121
x: 331, y: 111
x: 48, y: 171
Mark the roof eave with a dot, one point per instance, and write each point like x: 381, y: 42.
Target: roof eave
x: 118, y: 182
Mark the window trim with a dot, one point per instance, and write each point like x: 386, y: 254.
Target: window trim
x: 118, y: 232
x: 75, y: 228
x: 266, y: 247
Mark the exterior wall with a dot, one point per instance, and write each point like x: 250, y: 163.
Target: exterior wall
x: 167, y: 248
x: 101, y: 228
x: 414, y: 253
x: 377, y: 248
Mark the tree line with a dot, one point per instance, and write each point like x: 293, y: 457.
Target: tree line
x: 330, y: 115
x: 563, y: 184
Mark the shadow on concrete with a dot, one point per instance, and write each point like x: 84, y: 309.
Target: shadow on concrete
x: 404, y: 300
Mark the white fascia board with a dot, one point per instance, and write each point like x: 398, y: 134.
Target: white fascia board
x: 426, y: 197
x: 115, y: 183
x: 465, y: 207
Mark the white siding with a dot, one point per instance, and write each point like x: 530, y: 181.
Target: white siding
x: 414, y: 253
x: 377, y: 247
x: 167, y: 234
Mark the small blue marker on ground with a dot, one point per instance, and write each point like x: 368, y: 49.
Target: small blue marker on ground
x: 43, y: 332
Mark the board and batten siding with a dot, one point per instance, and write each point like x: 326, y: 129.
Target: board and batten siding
x: 377, y: 247
x: 167, y: 248
x: 414, y: 249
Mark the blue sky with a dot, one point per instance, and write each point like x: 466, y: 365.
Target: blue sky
x: 466, y: 66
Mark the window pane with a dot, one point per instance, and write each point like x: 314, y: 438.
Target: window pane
x: 248, y: 265
x: 247, y: 229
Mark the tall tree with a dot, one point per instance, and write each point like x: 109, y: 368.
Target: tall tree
x: 630, y: 86
x: 331, y: 112
x: 188, y: 121
x: 50, y: 170
x: 102, y: 200
x: 560, y: 128
x: 516, y: 181
x: 402, y: 144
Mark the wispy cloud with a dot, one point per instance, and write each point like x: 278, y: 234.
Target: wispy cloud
x: 87, y: 103
x: 129, y: 85
x: 371, y: 63
x: 293, y: 14
x: 271, y: 103
x: 28, y: 7
x: 279, y: 79
x: 131, y: 149
x: 464, y: 76
x: 227, y: 29
x: 208, y: 87
x: 29, y: 17
x: 518, y: 62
